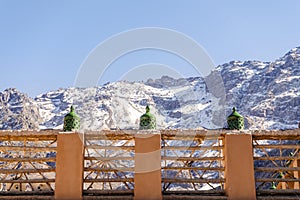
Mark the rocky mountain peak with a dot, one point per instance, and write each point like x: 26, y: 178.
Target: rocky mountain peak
x: 267, y: 94
x: 18, y: 111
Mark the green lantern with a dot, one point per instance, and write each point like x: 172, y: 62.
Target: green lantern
x: 147, y: 120
x: 71, y: 121
x: 235, y: 120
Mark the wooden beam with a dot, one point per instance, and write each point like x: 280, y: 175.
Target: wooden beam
x: 109, y: 147
x: 194, y: 168
x: 276, y: 180
x: 45, y: 159
x: 15, y: 171
x: 191, y: 158
x: 270, y: 169
x: 27, y: 148
x: 277, y: 158
x: 276, y: 146
x: 184, y: 180
x: 192, y: 147
x: 109, y: 180
x: 108, y: 158
x: 28, y: 181
x: 125, y: 169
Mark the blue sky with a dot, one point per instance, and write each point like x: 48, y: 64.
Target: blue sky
x: 43, y: 42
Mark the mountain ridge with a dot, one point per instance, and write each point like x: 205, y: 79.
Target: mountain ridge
x: 266, y: 93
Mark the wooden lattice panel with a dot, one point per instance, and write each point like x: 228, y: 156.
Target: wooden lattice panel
x: 27, y: 163
x: 192, y: 163
x: 108, y: 164
x: 276, y: 164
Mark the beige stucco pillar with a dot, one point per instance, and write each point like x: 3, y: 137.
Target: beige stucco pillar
x: 239, y: 167
x: 69, y: 166
x: 147, y: 177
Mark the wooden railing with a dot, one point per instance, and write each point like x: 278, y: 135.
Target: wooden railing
x: 28, y: 163
x: 192, y: 163
x: 166, y: 164
x: 108, y: 164
x: 276, y: 161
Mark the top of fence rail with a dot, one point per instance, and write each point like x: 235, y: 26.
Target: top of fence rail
x: 172, y: 134
x: 47, y: 134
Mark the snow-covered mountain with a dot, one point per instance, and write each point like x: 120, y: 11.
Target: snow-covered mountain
x: 266, y: 93
x: 18, y: 111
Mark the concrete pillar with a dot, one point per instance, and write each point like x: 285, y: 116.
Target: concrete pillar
x: 147, y: 177
x: 69, y: 166
x: 239, y: 167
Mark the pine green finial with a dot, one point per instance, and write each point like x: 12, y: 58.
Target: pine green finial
x: 71, y: 120
x: 235, y: 121
x: 147, y: 109
x: 72, y: 108
x: 147, y: 120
